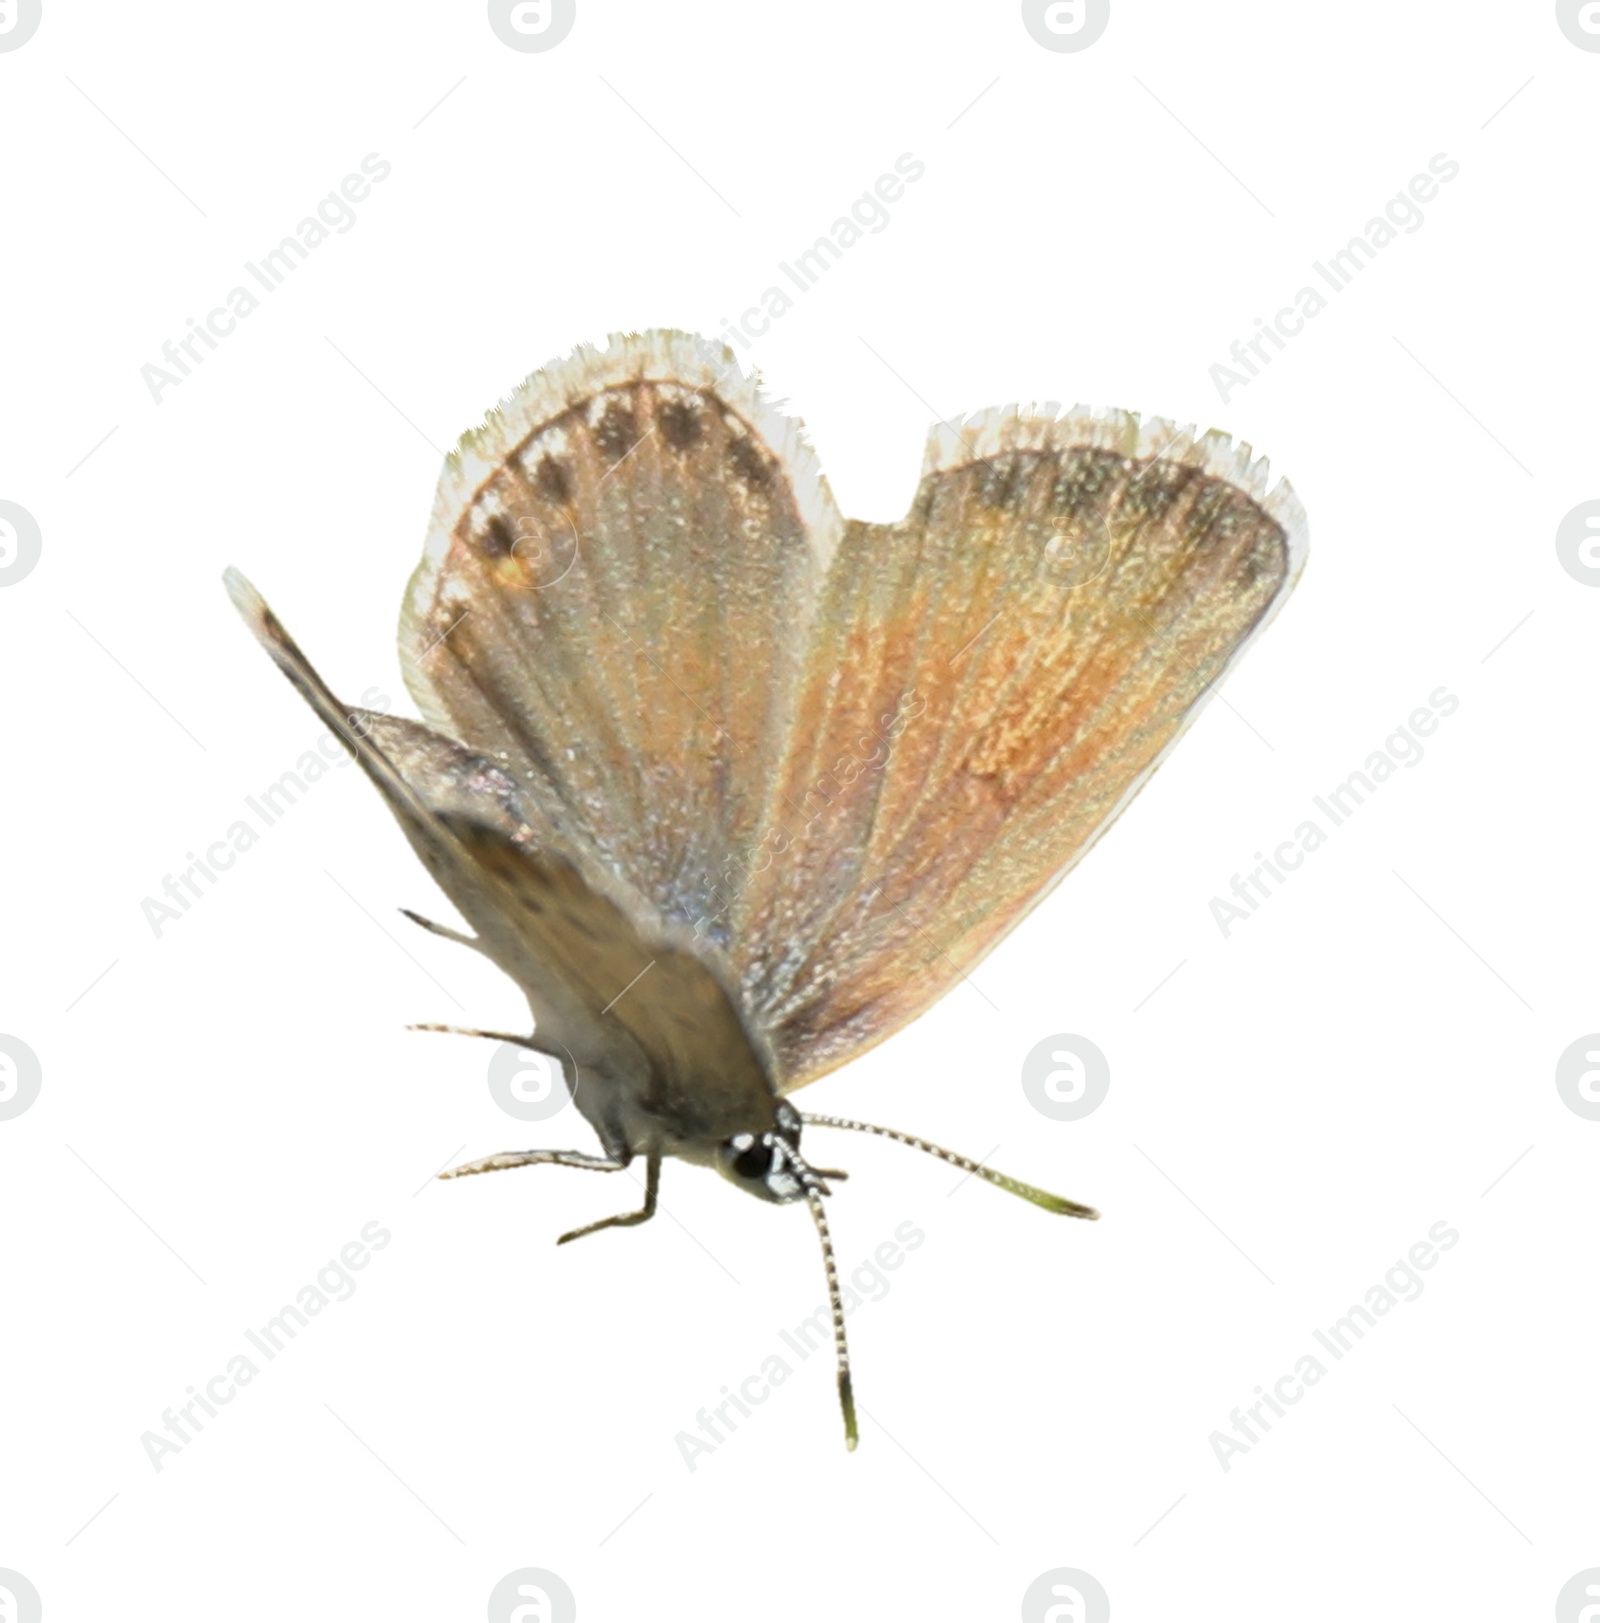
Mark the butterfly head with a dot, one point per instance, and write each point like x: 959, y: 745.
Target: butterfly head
x: 769, y: 1164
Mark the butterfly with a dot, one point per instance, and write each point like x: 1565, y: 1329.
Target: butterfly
x: 734, y: 787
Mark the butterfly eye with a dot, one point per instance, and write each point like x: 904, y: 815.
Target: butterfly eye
x: 755, y: 1161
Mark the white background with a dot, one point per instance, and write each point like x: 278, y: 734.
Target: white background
x: 228, y: 1104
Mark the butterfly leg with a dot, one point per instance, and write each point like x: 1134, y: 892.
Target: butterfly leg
x: 535, y: 1158
x: 652, y: 1181
x: 440, y: 929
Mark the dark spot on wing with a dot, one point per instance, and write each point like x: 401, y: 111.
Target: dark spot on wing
x: 993, y: 482
x: 748, y: 462
x: 1231, y: 518
x: 496, y: 538
x: 1152, y: 490
x: 680, y: 424
x: 552, y: 480
x: 617, y: 432
x: 1213, y: 516
x: 1265, y: 554
x: 999, y: 482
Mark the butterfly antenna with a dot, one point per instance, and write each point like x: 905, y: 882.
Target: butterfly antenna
x: 1014, y: 1186
x: 847, y: 1396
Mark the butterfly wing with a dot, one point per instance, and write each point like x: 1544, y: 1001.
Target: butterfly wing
x: 988, y: 683
x: 642, y: 1012
x: 827, y: 766
x: 619, y: 575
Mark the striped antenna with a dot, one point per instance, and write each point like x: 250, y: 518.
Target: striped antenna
x: 847, y: 1397
x: 1012, y: 1186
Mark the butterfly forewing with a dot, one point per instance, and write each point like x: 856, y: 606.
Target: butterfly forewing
x: 614, y: 604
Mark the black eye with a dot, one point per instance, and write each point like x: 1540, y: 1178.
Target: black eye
x: 755, y: 1161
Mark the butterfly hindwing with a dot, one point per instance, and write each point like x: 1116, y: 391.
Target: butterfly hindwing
x: 987, y: 684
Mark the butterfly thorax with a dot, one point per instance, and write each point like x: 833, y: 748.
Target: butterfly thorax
x: 703, y: 1084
